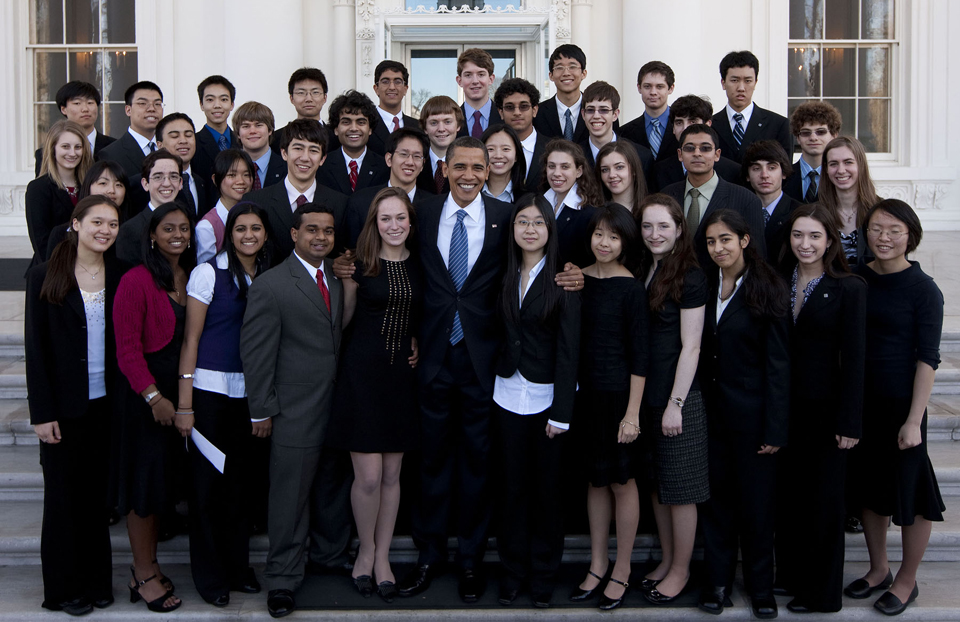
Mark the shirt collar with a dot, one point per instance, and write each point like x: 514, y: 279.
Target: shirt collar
x: 805, y: 168
x: 142, y: 140
x: 293, y: 193
x: 434, y: 158
x: 746, y: 112
x: 530, y: 142
x: 410, y: 194
x: 222, y: 211
x: 92, y: 139
x: 706, y: 190
x: 534, y: 273
x: 347, y: 159
x: 264, y: 162
x: 663, y: 119
x: 388, y: 119
x: 572, y: 200
x: 574, y: 109
x: 507, y: 192
x: 596, y: 150
x: 450, y: 208
x: 773, y: 204
x: 309, y: 268
x: 217, y: 135
x: 484, y: 110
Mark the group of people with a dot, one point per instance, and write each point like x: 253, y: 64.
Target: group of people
x: 530, y: 300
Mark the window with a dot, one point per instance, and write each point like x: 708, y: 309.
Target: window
x: 433, y: 71
x: 89, y: 40
x: 842, y: 52
x: 457, y: 4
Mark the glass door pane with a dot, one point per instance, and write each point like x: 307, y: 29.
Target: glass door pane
x: 432, y: 72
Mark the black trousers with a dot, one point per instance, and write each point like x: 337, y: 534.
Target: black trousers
x: 219, y: 512
x: 75, y: 538
x: 455, y: 465
x: 530, y: 525
x: 740, y: 512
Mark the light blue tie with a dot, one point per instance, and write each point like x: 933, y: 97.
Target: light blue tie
x: 656, y: 137
x: 222, y: 143
x: 738, y: 128
x: 459, y: 250
x: 568, y: 125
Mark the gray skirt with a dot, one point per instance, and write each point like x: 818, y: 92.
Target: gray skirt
x: 680, y: 468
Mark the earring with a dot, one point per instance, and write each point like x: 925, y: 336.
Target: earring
x: 151, y: 243
x: 188, y: 244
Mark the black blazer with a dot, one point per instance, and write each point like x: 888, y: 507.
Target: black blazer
x: 726, y: 196
x: 126, y: 152
x: 276, y: 169
x: 573, y: 235
x: 101, y: 141
x: 532, y: 181
x: 548, y: 123
x: 636, y: 131
x: 426, y: 181
x: 646, y: 160
x: 333, y: 173
x: 468, y: 122
x: 273, y: 199
x: 545, y: 353
x: 47, y: 206
x: 670, y: 171
x: 359, y: 204
x: 202, y: 164
x: 827, y: 352
x: 477, y: 299
x: 745, y: 372
x: 381, y: 133
x: 775, y: 232
x: 793, y: 185
x: 764, y: 124
x: 55, y: 342
x: 130, y: 237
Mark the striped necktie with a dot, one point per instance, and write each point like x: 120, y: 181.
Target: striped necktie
x: 656, y: 137
x: 738, y: 128
x: 457, y: 260
x: 568, y: 125
x: 256, y: 177
x: 811, y: 195
x: 354, y: 175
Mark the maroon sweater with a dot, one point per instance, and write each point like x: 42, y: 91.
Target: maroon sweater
x: 143, y: 322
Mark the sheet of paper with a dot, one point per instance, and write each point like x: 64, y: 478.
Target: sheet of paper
x: 208, y: 449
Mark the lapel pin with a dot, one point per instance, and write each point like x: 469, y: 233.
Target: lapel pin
x: 493, y: 226
x: 826, y: 295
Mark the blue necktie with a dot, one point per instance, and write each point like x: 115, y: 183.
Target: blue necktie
x: 568, y: 125
x: 738, y: 128
x: 811, y: 195
x: 222, y: 142
x: 459, y: 249
x: 656, y: 137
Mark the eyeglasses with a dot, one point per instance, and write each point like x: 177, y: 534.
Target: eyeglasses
x: 403, y: 155
x: 523, y: 224
x: 808, y: 133
x: 304, y: 93
x: 144, y: 104
x: 690, y: 148
x: 522, y: 107
x: 592, y: 110
x: 572, y: 67
x: 892, y: 234
x: 159, y: 178
x: 387, y: 82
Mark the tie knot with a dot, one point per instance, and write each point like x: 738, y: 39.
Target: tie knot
x: 737, y: 117
x: 319, y: 275
x: 812, y: 175
x: 353, y: 165
x: 694, y: 193
x: 656, y: 123
x: 461, y: 214
x: 567, y: 114
x: 476, y: 115
x: 301, y: 200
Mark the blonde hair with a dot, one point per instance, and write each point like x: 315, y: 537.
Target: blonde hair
x: 49, y: 165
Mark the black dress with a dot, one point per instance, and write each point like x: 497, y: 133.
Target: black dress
x: 904, y: 322
x: 613, y: 346
x: 149, y: 452
x: 375, y: 401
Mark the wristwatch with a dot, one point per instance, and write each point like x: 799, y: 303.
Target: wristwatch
x: 677, y: 400
x: 149, y: 396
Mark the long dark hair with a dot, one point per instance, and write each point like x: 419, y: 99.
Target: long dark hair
x: 264, y: 259
x: 834, y: 259
x: 552, y: 294
x: 866, y: 191
x: 154, y: 260
x: 587, y: 188
x: 60, y: 279
x: 668, y: 283
x: 97, y: 170
x: 369, y: 243
x: 765, y: 293
x: 519, y: 171
x: 619, y: 220
x: 636, y: 171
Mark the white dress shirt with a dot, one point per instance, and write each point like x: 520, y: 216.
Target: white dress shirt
x: 722, y: 304
x: 506, y: 196
x: 143, y: 141
x: 410, y: 194
x: 206, y: 238
x: 746, y: 112
x: 313, y: 271
x: 529, y: 144
x: 293, y: 194
x: 92, y: 139
x: 347, y: 160
x: 572, y: 200
x: 388, y: 119
x: 474, y: 222
x: 574, y: 112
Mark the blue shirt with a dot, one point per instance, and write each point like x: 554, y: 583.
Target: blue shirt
x: 484, y: 115
x: 216, y: 135
x: 262, y: 165
x: 648, y: 123
x: 804, y: 171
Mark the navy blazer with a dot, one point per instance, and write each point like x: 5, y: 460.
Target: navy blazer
x: 573, y: 235
x: 636, y: 131
x: 203, y: 160
x: 381, y: 133
x: 101, y: 141
x: 468, y: 123
x: 333, y: 173
x: 274, y: 200
x: 126, y: 152
x: 764, y: 125
x: 276, y: 169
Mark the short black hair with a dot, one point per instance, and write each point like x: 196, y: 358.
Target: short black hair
x: 403, y: 133
x: 310, y: 208
x: 156, y: 156
x: 769, y: 151
x: 391, y: 65
x: 690, y: 107
x: 466, y: 142
x: 656, y: 66
x: 211, y: 80
x: 512, y: 86
x: 173, y: 116
x: 304, y: 129
x: 307, y: 73
x: 354, y: 102
x: 743, y: 58
x: 905, y: 214
x: 225, y: 161
x: 143, y: 85
x: 568, y: 50
x: 701, y: 128
x: 76, y: 88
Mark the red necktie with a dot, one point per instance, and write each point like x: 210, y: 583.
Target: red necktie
x: 396, y: 124
x: 323, y: 288
x: 477, y: 130
x: 256, y: 177
x: 301, y: 200
x: 354, y: 173
x: 438, y: 178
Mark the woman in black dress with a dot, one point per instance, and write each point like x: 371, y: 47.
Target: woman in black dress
x: 382, y: 304
x: 745, y: 377
x: 674, y: 418
x: 613, y: 368
x: 826, y: 400
x: 891, y: 468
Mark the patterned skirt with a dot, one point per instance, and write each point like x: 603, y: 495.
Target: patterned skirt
x: 680, y: 472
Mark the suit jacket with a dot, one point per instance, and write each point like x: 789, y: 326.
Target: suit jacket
x: 276, y: 170
x: 636, y: 131
x: 202, y: 163
x: 548, y: 123
x: 775, y: 232
x: 532, y: 181
x: 290, y: 345
x: 726, y: 196
x: 745, y: 372
x: 426, y: 181
x: 381, y: 133
x: 333, y: 173
x: 793, y: 185
x: 764, y: 125
x: 573, y: 235
x: 468, y: 123
x: 126, y: 152
x: 359, y: 204
x: 101, y: 141
x: 47, y: 206
x: 477, y: 299
x: 130, y: 239
x: 274, y: 200
x: 55, y: 341
x: 646, y: 160
x: 670, y: 171
x: 544, y: 352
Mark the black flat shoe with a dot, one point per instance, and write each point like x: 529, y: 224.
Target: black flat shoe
x: 764, y: 607
x: 76, y: 607
x: 796, y: 606
x: 853, y: 525
x: 471, y: 586
x: 248, y: 585
x: 654, y: 597
x: 220, y: 601
x: 280, y: 603
x: 387, y: 590
x: 648, y: 584
x: 607, y: 603
x: 890, y: 605
x: 507, y: 594
x: 712, y: 600
x: 542, y: 600
x: 579, y: 595
x: 417, y: 580
x: 861, y: 589
x: 364, y: 585
x: 103, y: 603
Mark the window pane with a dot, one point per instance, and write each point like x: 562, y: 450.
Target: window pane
x: 115, y: 120
x: 874, y: 127
x: 119, y: 73
x: 455, y: 4
x: 877, y: 19
x: 83, y: 21
x: 806, y: 19
x: 47, y: 115
x: 848, y: 112
x: 86, y: 66
x: 432, y: 72
x: 48, y: 21
x: 51, y: 68
x: 839, y: 72
x: 504, y: 67
x: 874, y: 76
x: 843, y: 19
x: 804, y: 72
x: 119, y: 25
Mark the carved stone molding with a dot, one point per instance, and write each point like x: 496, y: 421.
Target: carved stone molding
x: 930, y: 196
x: 366, y: 33
x: 12, y: 200
x: 366, y: 59
x: 561, y: 9
x: 901, y: 191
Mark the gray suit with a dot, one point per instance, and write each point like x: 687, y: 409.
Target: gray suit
x: 289, y: 345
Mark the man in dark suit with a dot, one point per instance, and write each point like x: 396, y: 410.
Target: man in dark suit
x: 655, y: 82
x: 144, y: 106
x: 441, y: 118
x: 80, y: 102
x: 517, y: 101
x: 742, y: 122
x: 559, y: 116
x: 704, y: 191
x: 290, y: 345
x: 160, y: 180
x: 217, y: 96
x: 353, y: 167
x: 814, y: 124
x: 601, y: 108
x: 303, y: 147
x: 253, y: 124
x: 307, y: 87
x: 475, y: 77
x: 684, y: 112
x: 390, y: 82
x: 766, y: 165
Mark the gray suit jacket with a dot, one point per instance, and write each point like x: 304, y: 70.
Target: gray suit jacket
x: 289, y: 346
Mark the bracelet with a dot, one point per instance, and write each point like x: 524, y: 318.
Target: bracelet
x: 624, y: 422
x: 149, y: 397
x: 186, y: 376
x: 183, y: 412
x: 679, y: 401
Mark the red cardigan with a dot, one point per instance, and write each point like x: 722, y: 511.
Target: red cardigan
x: 143, y: 322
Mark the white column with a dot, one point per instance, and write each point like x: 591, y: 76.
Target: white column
x: 340, y: 67
x: 581, y: 30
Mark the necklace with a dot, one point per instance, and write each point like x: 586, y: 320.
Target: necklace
x: 93, y: 275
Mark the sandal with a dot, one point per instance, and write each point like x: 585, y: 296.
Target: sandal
x: 167, y: 583
x: 155, y: 605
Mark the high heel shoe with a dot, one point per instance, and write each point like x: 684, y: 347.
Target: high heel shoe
x: 155, y: 605
x: 579, y: 594
x: 167, y: 583
x: 607, y: 603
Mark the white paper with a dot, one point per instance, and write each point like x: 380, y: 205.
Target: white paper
x: 208, y: 449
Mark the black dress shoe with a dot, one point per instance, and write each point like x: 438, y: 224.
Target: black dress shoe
x: 541, y: 600
x: 416, y: 581
x: 364, y: 584
x: 654, y: 597
x: 579, y: 595
x: 798, y: 607
x: 712, y: 600
x: 77, y: 607
x: 280, y: 603
x: 507, y: 594
x: 853, y: 525
x: 607, y: 603
x: 890, y: 605
x: 247, y: 585
x: 220, y: 601
x: 861, y: 589
x: 764, y: 607
x: 103, y: 603
x: 387, y: 590
x: 471, y: 585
